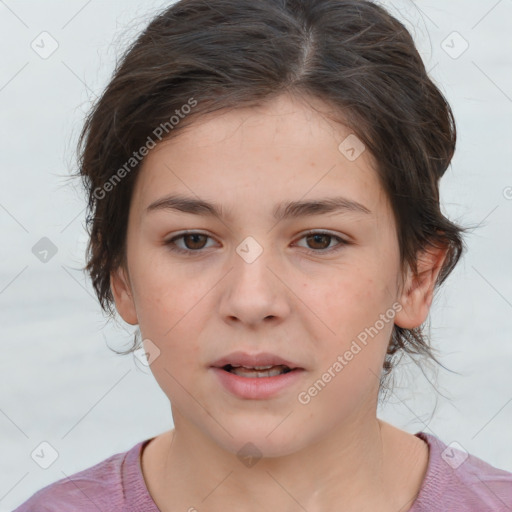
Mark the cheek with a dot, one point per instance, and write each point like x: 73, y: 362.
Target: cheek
x: 165, y: 295
x: 352, y: 355
x: 171, y: 312
x: 351, y: 306
x: 354, y: 297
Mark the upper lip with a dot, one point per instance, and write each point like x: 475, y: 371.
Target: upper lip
x: 252, y: 360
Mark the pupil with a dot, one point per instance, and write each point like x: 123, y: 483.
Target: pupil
x: 193, y: 235
x: 316, y: 236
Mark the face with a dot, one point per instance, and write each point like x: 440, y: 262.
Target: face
x: 319, y: 288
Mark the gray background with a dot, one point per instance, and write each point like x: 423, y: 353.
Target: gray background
x: 61, y: 383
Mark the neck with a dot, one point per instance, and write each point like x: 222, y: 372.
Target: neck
x: 361, y: 465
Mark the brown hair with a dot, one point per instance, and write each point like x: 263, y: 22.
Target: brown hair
x: 199, y: 56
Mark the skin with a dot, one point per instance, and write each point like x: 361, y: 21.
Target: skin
x: 307, y: 307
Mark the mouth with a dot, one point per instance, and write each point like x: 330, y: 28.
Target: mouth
x: 258, y: 382
x: 262, y: 364
x: 258, y: 371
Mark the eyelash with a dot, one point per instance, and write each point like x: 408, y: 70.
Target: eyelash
x: 189, y: 252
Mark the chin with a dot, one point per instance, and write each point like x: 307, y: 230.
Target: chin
x: 253, y: 440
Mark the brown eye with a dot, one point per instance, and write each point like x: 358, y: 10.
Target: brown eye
x: 192, y: 242
x: 320, y: 241
x: 195, y: 241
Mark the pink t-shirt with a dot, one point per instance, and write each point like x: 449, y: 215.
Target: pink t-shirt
x: 454, y: 481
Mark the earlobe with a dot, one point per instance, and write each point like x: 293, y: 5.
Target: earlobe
x: 418, y: 290
x: 123, y: 297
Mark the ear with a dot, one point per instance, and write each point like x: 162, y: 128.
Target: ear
x: 121, y: 290
x: 418, y: 291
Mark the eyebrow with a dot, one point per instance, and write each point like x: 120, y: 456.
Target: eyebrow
x: 284, y: 210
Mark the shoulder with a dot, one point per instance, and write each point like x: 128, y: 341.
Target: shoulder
x: 457, y: 480
x: 99, y: 487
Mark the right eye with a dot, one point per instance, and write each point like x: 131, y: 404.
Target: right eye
x: 194, y: 242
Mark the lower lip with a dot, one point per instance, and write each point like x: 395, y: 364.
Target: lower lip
x: 256, y: 387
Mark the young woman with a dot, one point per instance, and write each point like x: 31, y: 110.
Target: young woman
x: 263, y: 180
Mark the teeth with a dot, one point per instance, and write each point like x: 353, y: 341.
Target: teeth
x: 271, y: 371
x: 253, y: 367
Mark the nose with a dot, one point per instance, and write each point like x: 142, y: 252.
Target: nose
x: 254, y: 291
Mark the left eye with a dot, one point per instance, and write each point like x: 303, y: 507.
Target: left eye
x: 196, y: 242
x: 322, y: 238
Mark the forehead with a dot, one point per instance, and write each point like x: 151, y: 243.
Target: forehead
x: 283, y: 149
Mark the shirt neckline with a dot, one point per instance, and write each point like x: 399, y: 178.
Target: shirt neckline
x: 136, y: 492
x: 430, y: 487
